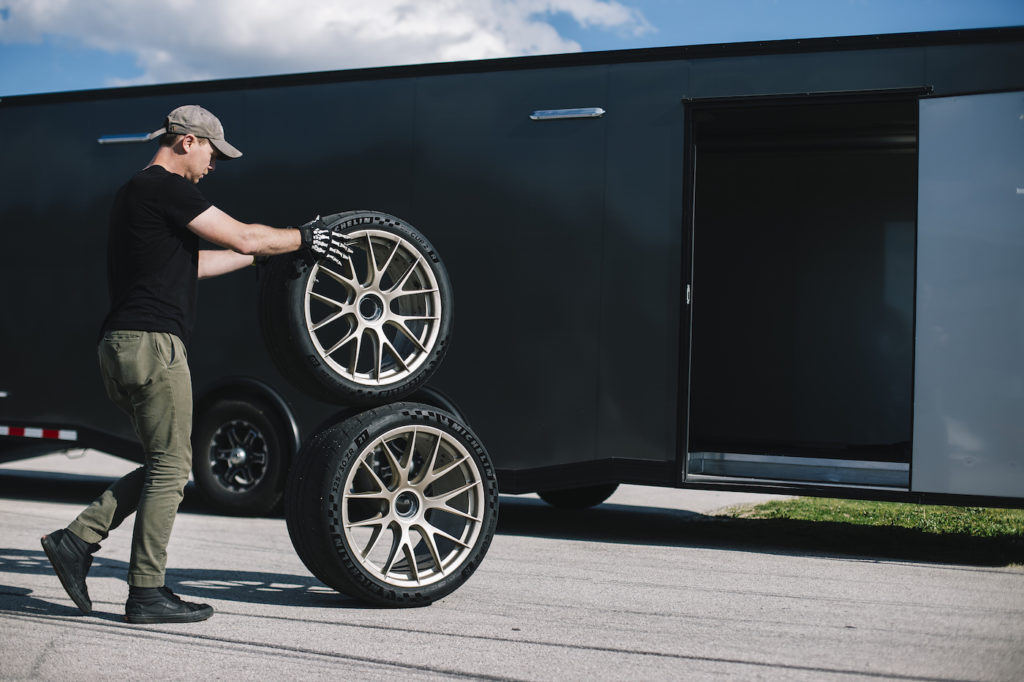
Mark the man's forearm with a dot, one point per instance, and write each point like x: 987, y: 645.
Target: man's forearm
x: 252, y: 239
x: 220, y: 262
x: 263, y: 240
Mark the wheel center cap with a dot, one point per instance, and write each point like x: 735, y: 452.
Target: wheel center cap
x: 407, y: 504
x: 238, y: 456
x: 371, y: 307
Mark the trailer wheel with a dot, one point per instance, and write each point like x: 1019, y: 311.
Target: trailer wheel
x: 240, y: 456
x: 368, y: 332
x: 579, y: 498
x: 395, y: 506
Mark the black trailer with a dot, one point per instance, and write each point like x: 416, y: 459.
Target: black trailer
x: 791, y: 266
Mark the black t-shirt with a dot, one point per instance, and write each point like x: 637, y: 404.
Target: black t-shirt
x: 152, y: 256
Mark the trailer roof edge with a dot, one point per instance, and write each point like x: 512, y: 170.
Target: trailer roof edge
x: 704, y: 51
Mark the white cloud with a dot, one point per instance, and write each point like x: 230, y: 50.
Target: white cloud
x: 177, y: 40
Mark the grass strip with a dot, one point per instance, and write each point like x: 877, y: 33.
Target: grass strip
x: 966, y: 535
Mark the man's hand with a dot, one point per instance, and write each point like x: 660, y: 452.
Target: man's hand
x: 325, y: 243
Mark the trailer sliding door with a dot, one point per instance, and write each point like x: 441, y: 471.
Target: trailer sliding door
x: 803, y: 291
x: 969, y: 388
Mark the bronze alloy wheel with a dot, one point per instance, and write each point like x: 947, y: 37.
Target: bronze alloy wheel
x: 368, y: 331
x: 394, y: 506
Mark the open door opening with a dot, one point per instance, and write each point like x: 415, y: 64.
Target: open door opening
x: 803, y: 291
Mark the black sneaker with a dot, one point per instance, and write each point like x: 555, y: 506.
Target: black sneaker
x: 71, y: 558
x: 160, y: 605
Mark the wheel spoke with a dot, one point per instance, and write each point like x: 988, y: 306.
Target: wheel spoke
x: 435, y: 554
x: 371, y: 545
x: 414, y: 318
x: 425, y: 476
x: 337, y: 276
x: 407, y: 456
x: 456, y: 512
x: 355, y: 352
x: 397, y: 474
x: 229, y: 475
x: 446, y: 497
x: 329, y: 319
x: 373, y: 272
x: 391, y: 257
x: 366, y: 523
x: 345, y: 339
x: 376, y: 478
x: 369, y: 496
x: 412, y: 292
x: 244, y: 475
x: 384, y: 343
x: 437, y: 531
x: 405, y: 276
x: 407, y: 333
x: 435, y: 475
x: 378, y: 354
x: 328, y: 301
x: 397, y: 542
x: 410, y: 559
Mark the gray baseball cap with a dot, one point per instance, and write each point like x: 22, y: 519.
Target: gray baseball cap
x: 193, y: 119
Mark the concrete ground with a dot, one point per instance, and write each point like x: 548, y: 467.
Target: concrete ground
x: 623, y: 591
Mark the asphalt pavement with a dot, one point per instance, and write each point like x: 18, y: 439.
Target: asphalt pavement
x: 621, y: 592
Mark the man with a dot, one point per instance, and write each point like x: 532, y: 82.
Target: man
x: 153, y: 264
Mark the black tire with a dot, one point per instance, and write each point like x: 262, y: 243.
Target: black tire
x: 366, y: 334
x: 240, y: 455
x: 300, y: 484
x: 579, y: 498
x: 366, y: 512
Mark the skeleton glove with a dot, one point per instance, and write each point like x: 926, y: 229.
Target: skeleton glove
x: 325, y: 243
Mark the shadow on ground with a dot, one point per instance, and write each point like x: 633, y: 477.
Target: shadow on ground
x: 655, y: 526
x: 613, y: 523
x: 274, y: 589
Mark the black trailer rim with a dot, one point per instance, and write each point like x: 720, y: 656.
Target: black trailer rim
x: 238, y: 456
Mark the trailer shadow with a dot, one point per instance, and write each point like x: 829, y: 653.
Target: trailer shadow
x: 611, y: 523
x: 638, y: 525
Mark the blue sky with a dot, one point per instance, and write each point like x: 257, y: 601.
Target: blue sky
x: 57, y: 45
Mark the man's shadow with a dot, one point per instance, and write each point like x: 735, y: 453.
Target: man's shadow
x: 274, y: 589
x: 19, y: 600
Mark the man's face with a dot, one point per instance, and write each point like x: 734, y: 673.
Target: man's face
x: 202, y: 157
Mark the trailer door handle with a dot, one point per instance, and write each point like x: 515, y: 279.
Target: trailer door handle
x: 554, y: 114
x: 130, y: 137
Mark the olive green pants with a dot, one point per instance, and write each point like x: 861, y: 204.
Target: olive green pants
x: 146, y: 374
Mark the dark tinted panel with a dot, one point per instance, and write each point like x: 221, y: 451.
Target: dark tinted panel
x: 804, y: 281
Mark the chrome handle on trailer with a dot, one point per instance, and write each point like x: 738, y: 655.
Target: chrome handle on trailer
x: 120, y: 139
x: 557, y: 114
